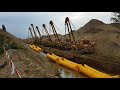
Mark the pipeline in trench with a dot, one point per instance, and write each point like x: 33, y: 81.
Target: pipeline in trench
x: 65, y: 72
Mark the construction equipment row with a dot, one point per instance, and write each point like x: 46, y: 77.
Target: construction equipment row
x: 65, y: 43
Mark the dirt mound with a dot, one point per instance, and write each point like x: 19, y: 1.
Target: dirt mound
x: 109, y: 28
x: 107, y: 36
x: 91, y: 24
x: 94, y: 30
x: 117, y: 25
x: 95, y: 25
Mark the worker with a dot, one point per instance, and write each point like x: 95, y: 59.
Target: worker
x: 3, y: 28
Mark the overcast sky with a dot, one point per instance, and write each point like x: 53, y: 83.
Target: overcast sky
x: 17, y: 23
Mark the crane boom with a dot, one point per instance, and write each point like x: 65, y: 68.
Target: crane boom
x: 34, y: 30
x: 67, y: 22
x: 31, y: 32
x: 38, y: 31
x: 44, y: 26
x: 54, y: 31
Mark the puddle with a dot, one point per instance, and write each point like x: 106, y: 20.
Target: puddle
x: 45, y: 55
x: 65, y: 74
x: 68, y: 73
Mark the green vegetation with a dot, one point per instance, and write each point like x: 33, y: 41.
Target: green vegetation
x: 1, y: 51
x: 1, y: 41
x: 1, y: 45
x: 15, y: 45
x: 12, y: 44
x: 116, y: 17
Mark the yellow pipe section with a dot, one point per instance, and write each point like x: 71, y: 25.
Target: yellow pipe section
x: 87, y: 70
x: 69, y: 65
x: 101, y: 73
x: 89, y: 73
x: 52, y: 58
x: 65, y: 59
x: 76, y: 67
x: 62, y: 62
x: 96, y: 71
x: 37, y: 49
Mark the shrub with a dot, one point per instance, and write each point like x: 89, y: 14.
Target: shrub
x: 1, y: 41
x: 1, y: 51
x: 14, y: 46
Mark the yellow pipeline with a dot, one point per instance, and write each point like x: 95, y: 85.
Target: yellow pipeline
x: 53, y: 58
x: 87, y: 70
x: 77, y: 67
x: 65, y: 59
x: 69, y: 65
x: 101, y: 73
x: 62, y: 62
x: 96, y: 71
x: 89, y: 73
x: 37, y: 49
x: 31, y: 46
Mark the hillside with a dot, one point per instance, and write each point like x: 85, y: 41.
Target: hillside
x: 107, y: 36
x: 117, y: 25
x: 28, y: 62
x: 90, y: 25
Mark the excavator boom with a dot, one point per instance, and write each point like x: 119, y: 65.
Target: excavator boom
x: 67, y: 23
x: 38, y: 31
x: 34, y: 30
x: 31, y: 32
x: 44, y: 26
x: 54, y: 31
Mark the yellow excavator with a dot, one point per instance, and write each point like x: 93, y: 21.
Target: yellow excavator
x: 48, y: 41
x: 86, y: 46
x: 58, y: 41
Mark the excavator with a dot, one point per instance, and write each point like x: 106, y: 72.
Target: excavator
x: 69, y: 43
x: 57, y: 39
x: 40, y: 40
x: 34, y: 31
x: 83, y: 45
x: 48, y: 41
x: 58, y: 42
x: 70, y: 31
x: 31, y: 32
x: 32, y: 39
x: 71, y: 40
x: 37, y: 40
x: 40, y: 36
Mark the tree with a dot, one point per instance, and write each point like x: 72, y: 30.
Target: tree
x: 116, y: 17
